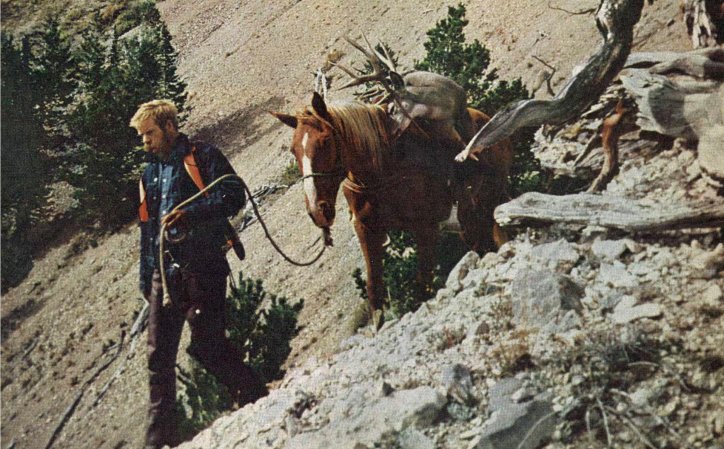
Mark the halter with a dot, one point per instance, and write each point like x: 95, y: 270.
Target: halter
x: 339, y: 172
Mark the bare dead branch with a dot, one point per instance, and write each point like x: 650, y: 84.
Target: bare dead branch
x: 592, y: 143
x: 613, y: 127
x: 573, y: 13
x: 549, y: 77
x: 631, y: 425
x: 615, y: 20
x: 136, y: 329
x: 699, y: 24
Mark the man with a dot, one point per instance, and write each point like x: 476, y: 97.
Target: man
x: 194, y: 261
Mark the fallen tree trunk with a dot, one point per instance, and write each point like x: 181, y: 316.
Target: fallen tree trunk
x: 609, y: 211
x: 702, y: 63
x: 676, y: 109
x: 685, y: 104
x: 615, y: 20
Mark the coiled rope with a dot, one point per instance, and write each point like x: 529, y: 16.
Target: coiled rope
x: 325, y: 232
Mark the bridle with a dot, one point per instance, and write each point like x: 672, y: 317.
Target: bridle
x: 338, y: 172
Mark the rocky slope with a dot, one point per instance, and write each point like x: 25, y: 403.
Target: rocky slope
x: 520, y: 346
x: 240, y: 60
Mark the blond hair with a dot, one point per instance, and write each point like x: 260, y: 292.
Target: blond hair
x: 160, y: 110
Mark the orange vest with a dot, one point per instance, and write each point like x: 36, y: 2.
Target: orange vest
x: 232, y: 238
x: 191, y: 168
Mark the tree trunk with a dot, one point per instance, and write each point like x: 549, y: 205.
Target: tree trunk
x: 615, y: 20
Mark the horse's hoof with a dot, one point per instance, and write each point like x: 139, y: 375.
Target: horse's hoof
x: 378, y: 319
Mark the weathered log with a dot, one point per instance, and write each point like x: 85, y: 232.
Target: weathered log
x: 609, y: 211
x: 682, y: 108
x: 707, y: 63
x: 699, y: 23
x: 702, y: 63
x: 615, y: 20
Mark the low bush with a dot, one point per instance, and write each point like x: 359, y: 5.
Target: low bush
x: 261, y: 325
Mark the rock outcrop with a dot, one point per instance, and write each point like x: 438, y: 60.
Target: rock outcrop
x: 566, y: 333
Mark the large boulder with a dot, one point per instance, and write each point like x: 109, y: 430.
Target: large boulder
x: 521, y: 424
x: 541, y: 297
x: 376, y: 422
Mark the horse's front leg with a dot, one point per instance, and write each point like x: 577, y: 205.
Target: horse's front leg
x: 371, y: 242
x: 426, y: 239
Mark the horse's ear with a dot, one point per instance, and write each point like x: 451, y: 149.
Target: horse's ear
x: 319, y: 106
x: 287, y: 119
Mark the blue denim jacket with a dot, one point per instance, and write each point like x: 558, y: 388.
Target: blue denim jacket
x: 167, y: 184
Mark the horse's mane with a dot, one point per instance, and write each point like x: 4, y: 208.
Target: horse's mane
x: 362, y: 128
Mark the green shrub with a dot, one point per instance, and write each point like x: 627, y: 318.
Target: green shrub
x: 261, y: 325
x: 291, y: 174
x: 399, y: 265
x: 203, y: 400
x: 468, y: 64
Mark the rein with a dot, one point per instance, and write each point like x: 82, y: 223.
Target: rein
x: 340, y: 172
x: 167, y: 296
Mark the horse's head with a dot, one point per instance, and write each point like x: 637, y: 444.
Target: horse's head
x: 317, y: 154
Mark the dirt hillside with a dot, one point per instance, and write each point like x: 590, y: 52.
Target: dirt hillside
x: 241, y: 59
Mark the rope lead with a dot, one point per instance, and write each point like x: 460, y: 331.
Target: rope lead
x: 325, y: 232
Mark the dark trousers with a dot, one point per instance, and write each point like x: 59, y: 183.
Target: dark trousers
x: 200, y: 300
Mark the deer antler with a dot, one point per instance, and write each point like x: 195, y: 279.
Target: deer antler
x: 321, y: 83
x: 376, y: 60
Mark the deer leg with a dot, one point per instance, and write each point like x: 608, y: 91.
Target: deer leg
x: 613, y: 127
x: 371, y: 242
x: 426, y: 239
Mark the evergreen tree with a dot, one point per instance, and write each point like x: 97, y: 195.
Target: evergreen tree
x: 261, y: 325
x: 52, y: 62
x: 171, y: 86
x: 24, y: 183
x: 53, y: 66
x: 449, y: 55
x: 136, y: 69
x: 468, y: 65
x: 90, y: 59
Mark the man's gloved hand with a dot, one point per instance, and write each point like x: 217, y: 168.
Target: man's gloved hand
x: 175, y: 217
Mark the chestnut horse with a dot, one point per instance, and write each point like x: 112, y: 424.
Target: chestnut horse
x: 408, y: 184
